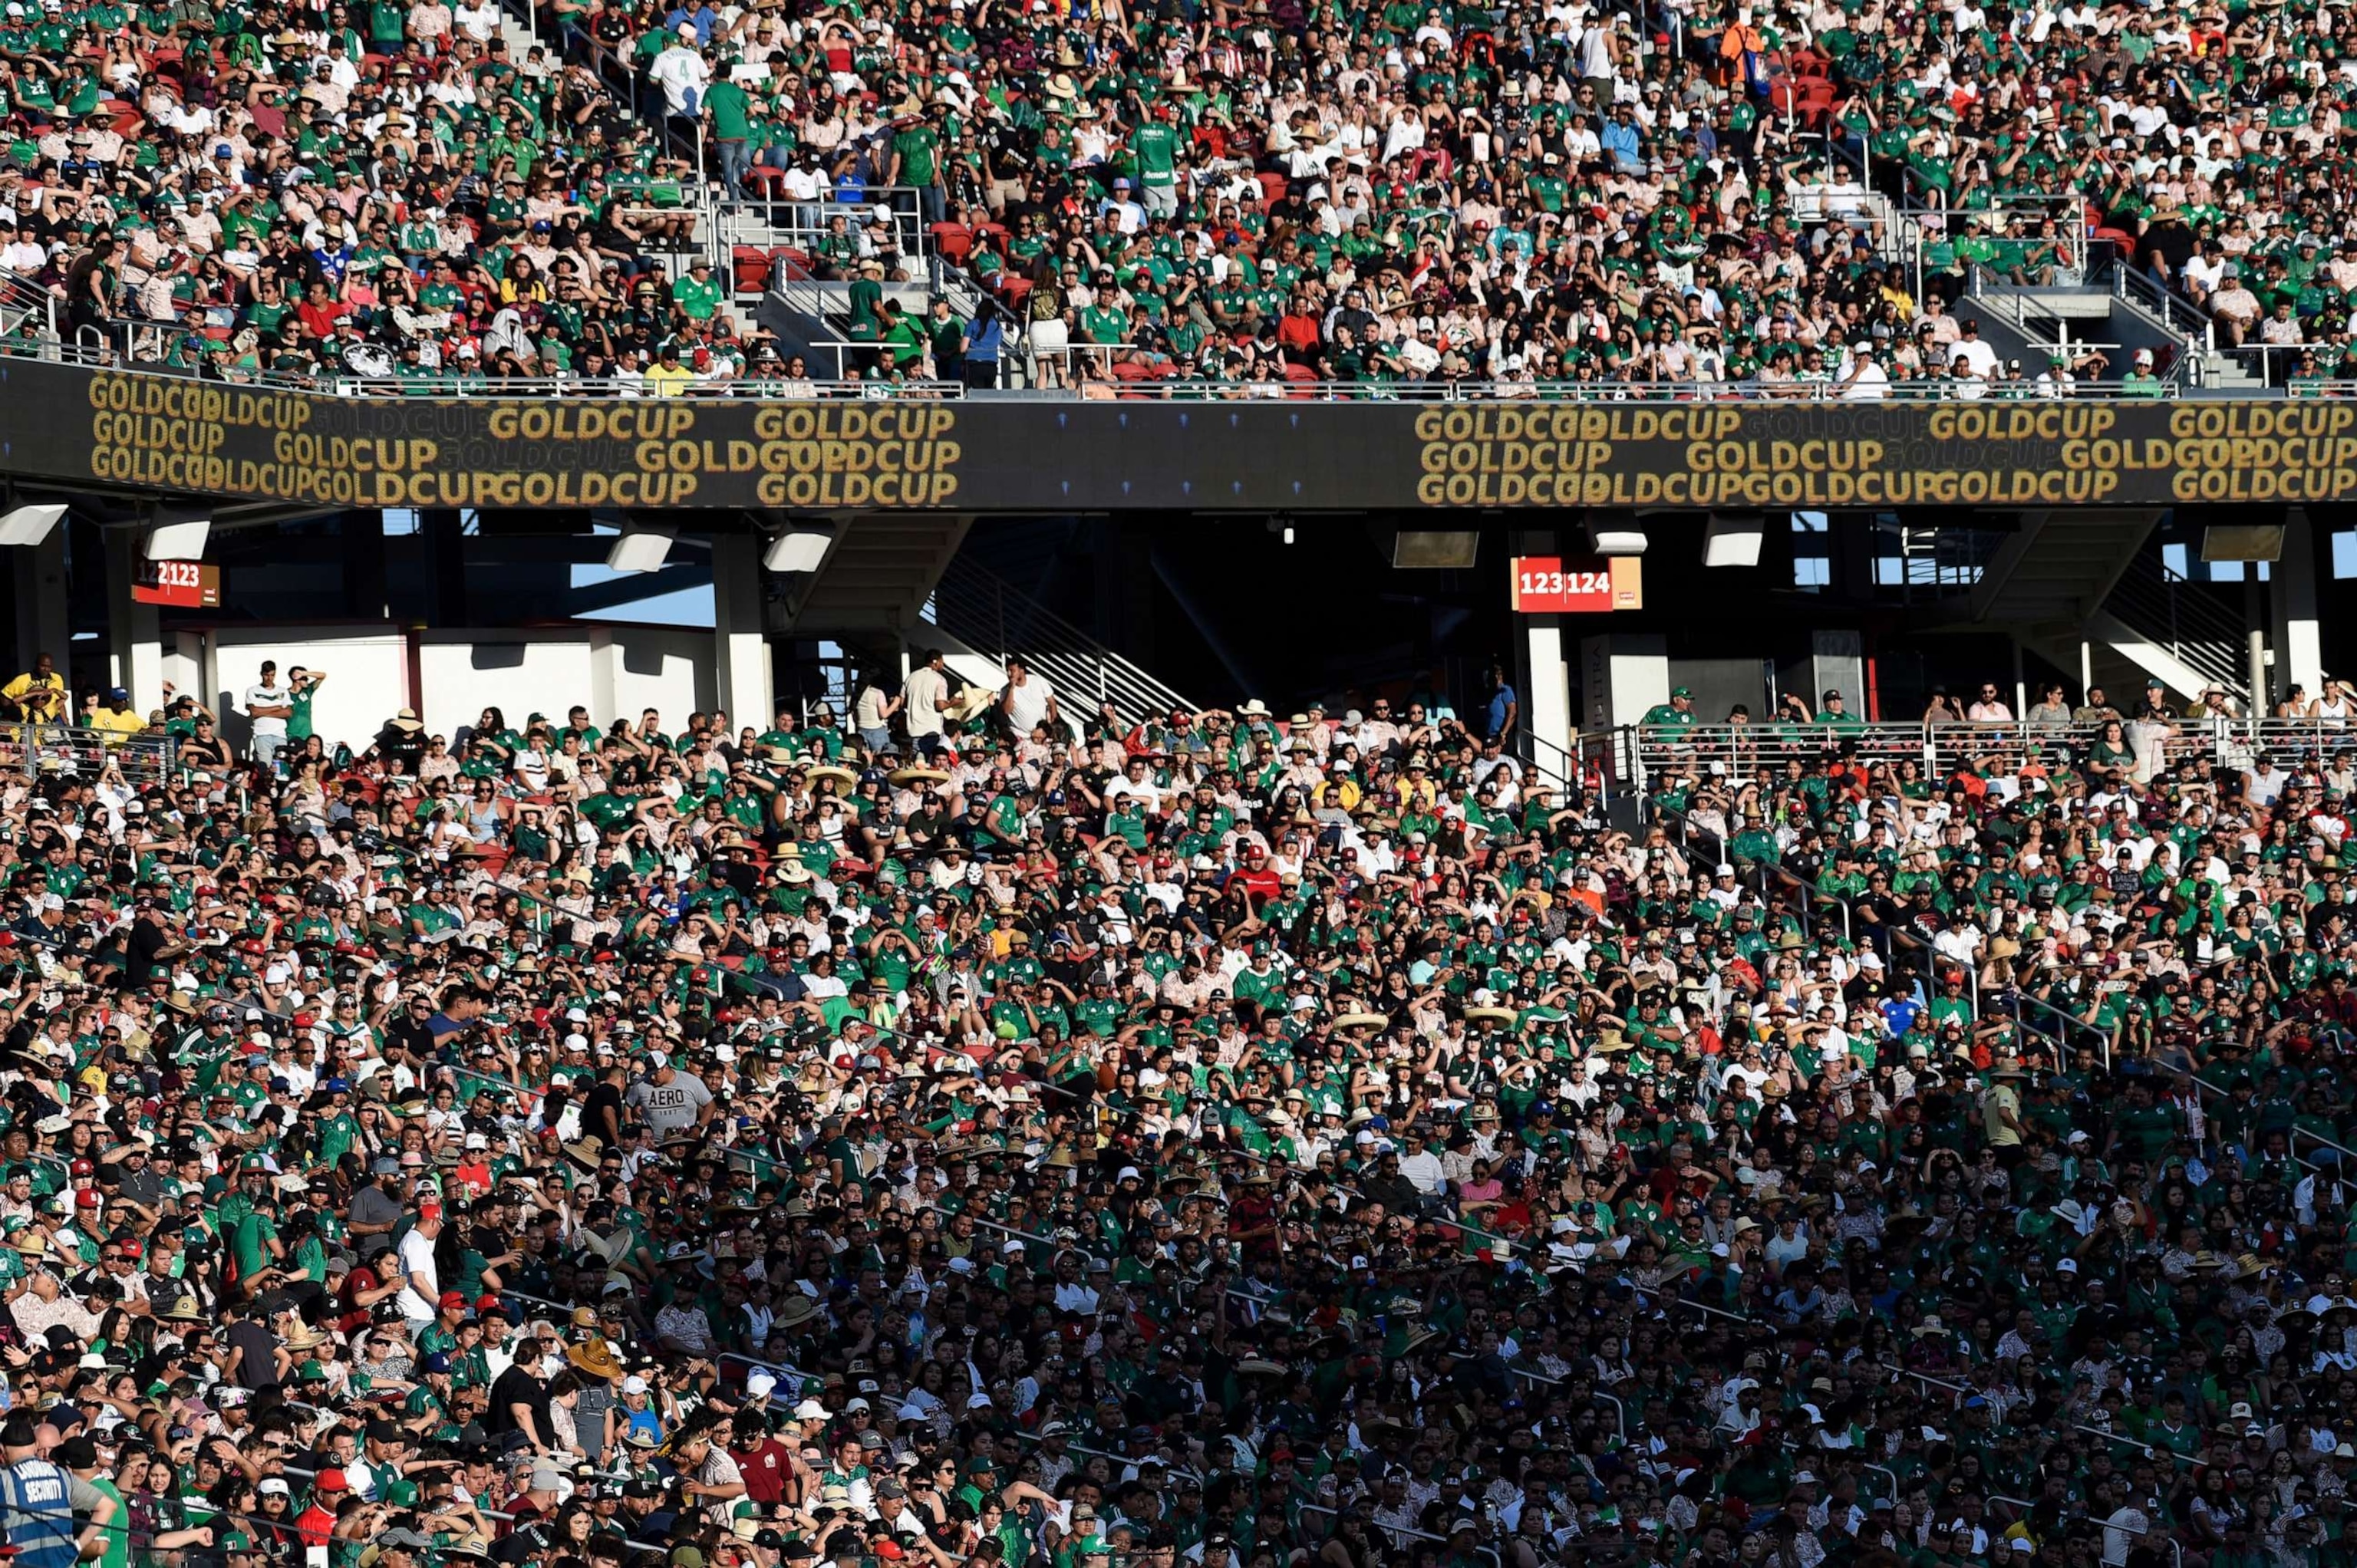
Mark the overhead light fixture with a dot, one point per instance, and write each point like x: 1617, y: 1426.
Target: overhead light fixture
x: 798, y: 549
x: 30, y: 524
x: 2242, y: 541
x: 180, y: 541
x: 1733, y: 539
x: 639, y: 550
x: 1435, y: 550
x: 1610, y: 538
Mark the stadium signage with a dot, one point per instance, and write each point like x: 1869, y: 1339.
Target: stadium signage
x: 183, y: 585
x: 1551, y: 585
x: 154, y: 433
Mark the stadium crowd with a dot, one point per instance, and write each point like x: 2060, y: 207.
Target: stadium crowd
x: 1527, y: 197
x: 969, y: 1130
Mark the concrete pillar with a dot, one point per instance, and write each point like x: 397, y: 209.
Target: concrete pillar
x: 2299, y: 644
x: 134, y: 638
x: 39, y: 571
x: 740, y: 643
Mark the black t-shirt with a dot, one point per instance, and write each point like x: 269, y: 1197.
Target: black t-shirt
x: 517, y: 1387
x: 148, y: 937
x: 601, y: 1113
x: 259, y: 1370
x: 414, y: 1034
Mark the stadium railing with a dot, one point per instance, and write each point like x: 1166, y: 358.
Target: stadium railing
x: 1738, y: 751
x: 41, y: 748
x: 165, y: 349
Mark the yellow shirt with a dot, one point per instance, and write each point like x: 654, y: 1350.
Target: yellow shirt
x: 118, y: 725
x: 669, y: 381
x: 38, y: 696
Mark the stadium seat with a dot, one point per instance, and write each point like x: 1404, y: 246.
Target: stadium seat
x: 953, y: 240
x: 750, y: 265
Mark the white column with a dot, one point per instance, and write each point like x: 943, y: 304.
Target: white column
x: 135, y: 636
x: 1544, y: 679
x: 2299, y: 647
x: 740, y: 645
x: 1547, y: 698
x: 40, y: 576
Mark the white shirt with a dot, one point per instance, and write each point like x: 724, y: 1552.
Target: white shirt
x: 1027, y: 705
x: 681, y: 72
x: 416, y: 1255
x: 1975, y: 353
x: 268, y: 697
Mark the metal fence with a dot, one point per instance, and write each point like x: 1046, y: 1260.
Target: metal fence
x: 71, y: 750
x: 1643, y: 753
x: 1119, y: 373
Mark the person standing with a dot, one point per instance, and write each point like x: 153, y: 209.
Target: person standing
x: 730, y: 111
x: 1029, y: 700
x: 302, y: 686
x: 871, y: 713
x: 269, y: 705
x: 925, y: 697
x: 420, y: 1276
x: 39, y: 694
x: 1505, y: 709
x: 42, y: 1498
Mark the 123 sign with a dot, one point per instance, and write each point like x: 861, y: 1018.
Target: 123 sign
x: 183, y: 585
x: 1550, y: 585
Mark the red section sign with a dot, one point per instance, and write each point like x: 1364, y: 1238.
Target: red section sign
x: 183, y: 585
x: 1550, y: 585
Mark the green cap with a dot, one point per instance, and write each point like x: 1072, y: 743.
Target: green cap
x: 1677, y: 692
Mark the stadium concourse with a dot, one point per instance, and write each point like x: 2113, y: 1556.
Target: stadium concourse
x: 936, y: 1133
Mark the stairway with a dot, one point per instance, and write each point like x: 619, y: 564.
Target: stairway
x: 872, y: 586
x: 2096, y: 577
x: 995, y: 621
x: 2175, y: 630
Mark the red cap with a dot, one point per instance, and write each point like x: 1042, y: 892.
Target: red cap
x: 485, y: 1302
x: 451, y: 1298
x: 83, y: 1167
x: 331, y: 1481
x: 86, y: 1199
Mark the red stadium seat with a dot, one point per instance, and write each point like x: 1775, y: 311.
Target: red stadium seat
x: 953, y: 240
x: 797, y: 262
x: 1273, y: 187
x: 750, y: 266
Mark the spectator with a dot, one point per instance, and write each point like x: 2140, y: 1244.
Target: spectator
x: 268, y: 706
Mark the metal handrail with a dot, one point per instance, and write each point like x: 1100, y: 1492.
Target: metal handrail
x: 997, y: 619
x: 144, y: 757
x: 2150, y: 596
x: 370, y: 384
